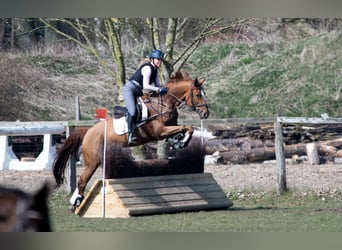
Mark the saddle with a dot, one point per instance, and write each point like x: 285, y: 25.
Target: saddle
x: 121, y: 111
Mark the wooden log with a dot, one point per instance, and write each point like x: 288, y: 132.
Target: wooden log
x: 243, y: 150
x: 327, y: 150
x: 338, y: 154
x: 254, y: 155
x: 261, y: 154
x: 334, y: 142
x: 232, y: 145
x: 312, y: 153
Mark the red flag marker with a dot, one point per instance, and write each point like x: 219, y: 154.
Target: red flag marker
x: 101, y: 113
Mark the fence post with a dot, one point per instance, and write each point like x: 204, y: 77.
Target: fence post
x: 77, y: 108
x: 280, y: 158
x: 71, y: 167
x: 312, y: 153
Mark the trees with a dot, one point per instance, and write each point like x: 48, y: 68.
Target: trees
x: 99, y: 36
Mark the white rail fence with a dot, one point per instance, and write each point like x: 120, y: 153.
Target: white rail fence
x: 9, y: 160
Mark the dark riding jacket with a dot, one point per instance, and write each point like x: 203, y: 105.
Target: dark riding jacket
x: 138, y: 77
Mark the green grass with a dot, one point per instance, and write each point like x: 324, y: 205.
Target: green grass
x: 264, y: 212
x: 290, y: 78
x: 299, y: 77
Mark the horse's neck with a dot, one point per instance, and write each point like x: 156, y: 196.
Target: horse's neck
x: 169, y: 101
x: 178, y: 90
x: 159, y: 104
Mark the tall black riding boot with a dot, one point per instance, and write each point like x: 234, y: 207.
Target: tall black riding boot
x: 132, y: 138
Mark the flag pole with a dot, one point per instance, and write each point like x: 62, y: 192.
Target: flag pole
x: 103, y: 114
x: 104, y: 168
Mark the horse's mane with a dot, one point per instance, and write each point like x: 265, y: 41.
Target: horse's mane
x: 179, y: 76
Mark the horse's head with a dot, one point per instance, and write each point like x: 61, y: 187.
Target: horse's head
x: 21, y: 212
x: 197, y: 99
x: 191, y: 93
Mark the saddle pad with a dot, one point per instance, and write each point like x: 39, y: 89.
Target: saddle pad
x: 144, y: 110
x: 120, y: 124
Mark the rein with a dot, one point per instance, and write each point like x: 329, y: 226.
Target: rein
x: 159, y: 113
x: 182, y: 103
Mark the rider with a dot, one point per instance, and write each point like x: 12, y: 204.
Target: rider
x: 145, y: 78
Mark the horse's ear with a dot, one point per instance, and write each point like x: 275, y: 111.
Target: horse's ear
x: 199, y: 82
x: 41, y: 196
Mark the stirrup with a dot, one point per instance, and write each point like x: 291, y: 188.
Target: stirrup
x: 132, y: 139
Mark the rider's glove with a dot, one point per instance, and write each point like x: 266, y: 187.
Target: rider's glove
x: 163, y: 90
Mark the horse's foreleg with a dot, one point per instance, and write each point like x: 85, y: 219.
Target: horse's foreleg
x: 171, y: 130
x: 185, y: 131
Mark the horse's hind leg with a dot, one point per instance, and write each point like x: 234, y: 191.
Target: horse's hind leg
x: 90, y: 169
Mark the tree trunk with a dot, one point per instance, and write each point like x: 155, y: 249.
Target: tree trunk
x: 169, y: 46
x: 2, y: 30
x: 50, y: 35
x: 13, y: 27
x: 115, y: 44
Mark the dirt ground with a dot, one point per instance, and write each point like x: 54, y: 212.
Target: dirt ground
x: 232, y: 178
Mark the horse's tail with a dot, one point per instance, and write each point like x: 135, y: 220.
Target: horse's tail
x: 70, y: 148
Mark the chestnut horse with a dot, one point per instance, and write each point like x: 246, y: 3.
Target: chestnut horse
x: 160, y: 124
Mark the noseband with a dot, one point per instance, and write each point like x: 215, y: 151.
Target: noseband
x: 194, y: 106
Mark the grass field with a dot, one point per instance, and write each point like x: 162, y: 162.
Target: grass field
x: 263, y: 213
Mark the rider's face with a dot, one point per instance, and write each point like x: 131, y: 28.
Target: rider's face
x: 157, y: 62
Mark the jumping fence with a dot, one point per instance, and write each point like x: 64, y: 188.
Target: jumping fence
x: 9, y: 161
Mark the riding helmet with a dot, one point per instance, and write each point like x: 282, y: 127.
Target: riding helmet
x: 156, y: 54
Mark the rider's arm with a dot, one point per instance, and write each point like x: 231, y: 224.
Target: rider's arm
x: 146, y: 73
x: 157, y: 80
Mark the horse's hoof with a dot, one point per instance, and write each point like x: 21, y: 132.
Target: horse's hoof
x: 175, y: 138
x: 78, y: 201
x: 176, y: 146
x: 72, y: 209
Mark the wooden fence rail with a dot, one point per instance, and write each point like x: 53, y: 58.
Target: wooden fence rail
x: 36, y: 128
x: 280, y: 159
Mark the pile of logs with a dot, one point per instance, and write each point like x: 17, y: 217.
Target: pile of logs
x: 255, y: 143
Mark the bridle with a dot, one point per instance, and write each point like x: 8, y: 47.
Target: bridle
x: 194, y: 105
x: 181, y: 103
